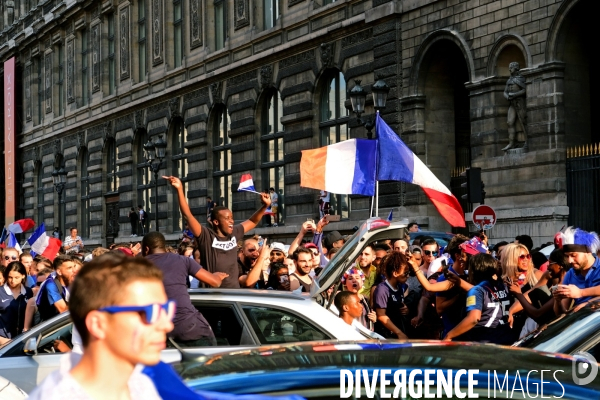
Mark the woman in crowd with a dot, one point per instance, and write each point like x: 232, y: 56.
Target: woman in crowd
x: 279, y: 277
x: 13, y: 300
x: 389, y: 298
x: 352, y: 281
x: 487, y: 305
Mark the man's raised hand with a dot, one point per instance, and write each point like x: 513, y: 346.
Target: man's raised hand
x: 174, y: 181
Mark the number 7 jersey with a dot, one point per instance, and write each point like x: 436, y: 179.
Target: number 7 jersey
x: 493, y: 300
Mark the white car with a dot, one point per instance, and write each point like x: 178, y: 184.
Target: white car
x: 240, y: 318
x: 9, y: 391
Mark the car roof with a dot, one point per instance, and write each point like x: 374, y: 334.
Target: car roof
x: 249, y: 293
x: 375, y: 354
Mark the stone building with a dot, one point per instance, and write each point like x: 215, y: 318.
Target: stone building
x: 240, y: 86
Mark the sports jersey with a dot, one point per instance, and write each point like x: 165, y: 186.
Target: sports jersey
x: 493, y: 300
x: 391, y: 300
x: 12, y: 311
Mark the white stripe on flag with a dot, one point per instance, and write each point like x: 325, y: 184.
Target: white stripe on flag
x: 423, y: 177
x: 339, y: 167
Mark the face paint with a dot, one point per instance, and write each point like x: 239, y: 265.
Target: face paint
x: 136, y: 341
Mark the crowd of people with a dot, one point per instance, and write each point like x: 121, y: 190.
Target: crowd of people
x: 399, y: 288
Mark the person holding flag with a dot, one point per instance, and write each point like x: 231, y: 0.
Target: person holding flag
x: 218, y: 242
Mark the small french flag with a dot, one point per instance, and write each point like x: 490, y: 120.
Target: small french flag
x: 20, y: 226
x: 247, y: 184
x: 12, y: 242
x: 44, y: 245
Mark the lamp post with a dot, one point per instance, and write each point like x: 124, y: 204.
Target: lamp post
x: 155, y: 153
x: 358, y: 98
x: 59, y: 177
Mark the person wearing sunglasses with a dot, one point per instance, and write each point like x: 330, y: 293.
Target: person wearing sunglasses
x: 389, y: 298
x: 9, y: 255
x: 430, y: 251
x: 120, y: 309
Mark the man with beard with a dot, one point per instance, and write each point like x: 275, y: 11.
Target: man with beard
x: 218, y: 243
x: 248, y: 256
x: 401, y: 245
x: 303, y: 262
x: 53, y: 297
x: 365, y: 262
x: 352, y: 280
x: 582, y: 281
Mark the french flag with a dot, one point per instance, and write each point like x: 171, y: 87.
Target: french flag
x: 398, y: 163
x: 246, y: 184
x: 20, y: 226
x: 44, y: 245
x: 347, y: 167
x: 12, y: 242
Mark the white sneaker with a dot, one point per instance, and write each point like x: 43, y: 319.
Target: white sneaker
x: 274, y: 225
x: 134, y: 235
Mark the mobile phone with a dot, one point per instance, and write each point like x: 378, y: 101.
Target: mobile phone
x: 284, y: 278
x: 445, y: 268
x: 261, y: 241
x: 553, y: 288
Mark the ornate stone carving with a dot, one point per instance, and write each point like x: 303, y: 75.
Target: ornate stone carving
x: 215, y: 90
x: 48, y: 81
x: 241, y: 14
x: 80, y: 140
x: 124, y: 41
x: 174, y: 107
x: 327, y: 54
x: 515, y: 93
x: 138, y: 119
x: 157, y: 32
x: 297, y: 58
x: 27, y: 84
x: 35, y: 154
x: 243, y: 78
x: 57, y: 147
x: 196, y: 94
x: 107, y: 130
x: 157, y: 108
x: 357, y: 38
x: 70, y: 70
x: 195, y: 23
x: 266, y: 76
x: 96, y: 58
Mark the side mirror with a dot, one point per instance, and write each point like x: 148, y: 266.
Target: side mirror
x: 31, y: 345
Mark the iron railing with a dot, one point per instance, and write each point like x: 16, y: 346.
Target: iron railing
x: 583, y: 186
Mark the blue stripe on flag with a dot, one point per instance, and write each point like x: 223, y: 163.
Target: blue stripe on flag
x: 365, y: 167
x: 395, y: 160
x: 41, y: 230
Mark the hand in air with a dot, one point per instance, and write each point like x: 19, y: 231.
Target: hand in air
x: 174, y: 181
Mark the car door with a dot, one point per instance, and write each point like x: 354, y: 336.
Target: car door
x: 28, y: 371
x: 273, y: 325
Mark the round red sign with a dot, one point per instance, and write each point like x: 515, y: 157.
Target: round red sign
x: 484, y: 217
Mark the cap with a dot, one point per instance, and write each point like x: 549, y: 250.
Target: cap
x: 278, y: 246
x: 473, y: 246
x: 577, y: 240
x: 331, y: 238
x: 311, y: 246
x: 352, y: 271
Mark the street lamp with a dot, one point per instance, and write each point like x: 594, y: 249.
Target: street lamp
x: 59, y: 177
x: 155, y: 153
x: 358, y: 97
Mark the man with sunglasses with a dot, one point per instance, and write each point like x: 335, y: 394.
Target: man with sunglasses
x: 9, y: 255
x: 430, y: 252
x: 120, y: 309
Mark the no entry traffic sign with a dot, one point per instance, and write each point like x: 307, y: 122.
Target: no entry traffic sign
x: 484, y: 217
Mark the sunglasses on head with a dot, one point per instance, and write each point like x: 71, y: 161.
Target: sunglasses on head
x: 151, y: 312
x: 525, y: 257
x: 430, y: 253
x: 14, y: 258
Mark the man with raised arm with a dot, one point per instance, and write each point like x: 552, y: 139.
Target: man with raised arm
x: 218, y: 243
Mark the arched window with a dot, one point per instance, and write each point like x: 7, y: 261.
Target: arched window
x: 40, y: 193
x: 221, y: 157
x: 85, y: 193
x: 112, y: 179
x: 178, y: 157
x: 144, y: 183
x: 333, y: 126
x: 272, y: 155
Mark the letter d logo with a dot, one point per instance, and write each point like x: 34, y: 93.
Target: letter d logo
x: 585, y: 368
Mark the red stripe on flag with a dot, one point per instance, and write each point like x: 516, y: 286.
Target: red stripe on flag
x: 448, y: 207
x: 51, y: 251
x: 312, y: 168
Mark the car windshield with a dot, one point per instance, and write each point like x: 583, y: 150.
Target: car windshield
x: 564, y: 334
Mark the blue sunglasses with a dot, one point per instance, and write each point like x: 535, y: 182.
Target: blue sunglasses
x: 151, y: 311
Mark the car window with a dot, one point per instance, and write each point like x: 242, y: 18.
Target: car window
x: 274, y: 326
x: 60, y: 331
x: 227, y: 327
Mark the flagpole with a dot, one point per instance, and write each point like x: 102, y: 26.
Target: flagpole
x: 377, y: 198
x: 372, y: 204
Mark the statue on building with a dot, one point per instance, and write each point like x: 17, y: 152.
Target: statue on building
x: 515, y: 94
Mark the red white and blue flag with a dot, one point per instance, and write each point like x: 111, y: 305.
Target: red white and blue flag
x: 246, y: 184
x: 43, y: 244
x: 20, y: 226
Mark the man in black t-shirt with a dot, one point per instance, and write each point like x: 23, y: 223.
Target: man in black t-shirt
x: 218, y: 243
x: 190, y: 325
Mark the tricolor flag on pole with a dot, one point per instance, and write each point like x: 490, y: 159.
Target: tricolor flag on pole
x: 44, y: 245
x: 347, y: 167
x: 22, y: 225
x: 247, y: 184
x: 391, y: 215
x: 12, y: 242
x: 396, y: 162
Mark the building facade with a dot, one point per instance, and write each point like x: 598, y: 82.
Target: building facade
x: 241, y: 86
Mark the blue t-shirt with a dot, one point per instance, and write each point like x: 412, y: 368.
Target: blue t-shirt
x: 591, y: 279
x: 493, y: 300
x: 453, y: 314
x: 31, y: 281
x: 385, y: 297
x: 12, y: 311
x: 49, y: 294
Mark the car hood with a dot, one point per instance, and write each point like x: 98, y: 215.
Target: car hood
x: 371, y: 230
